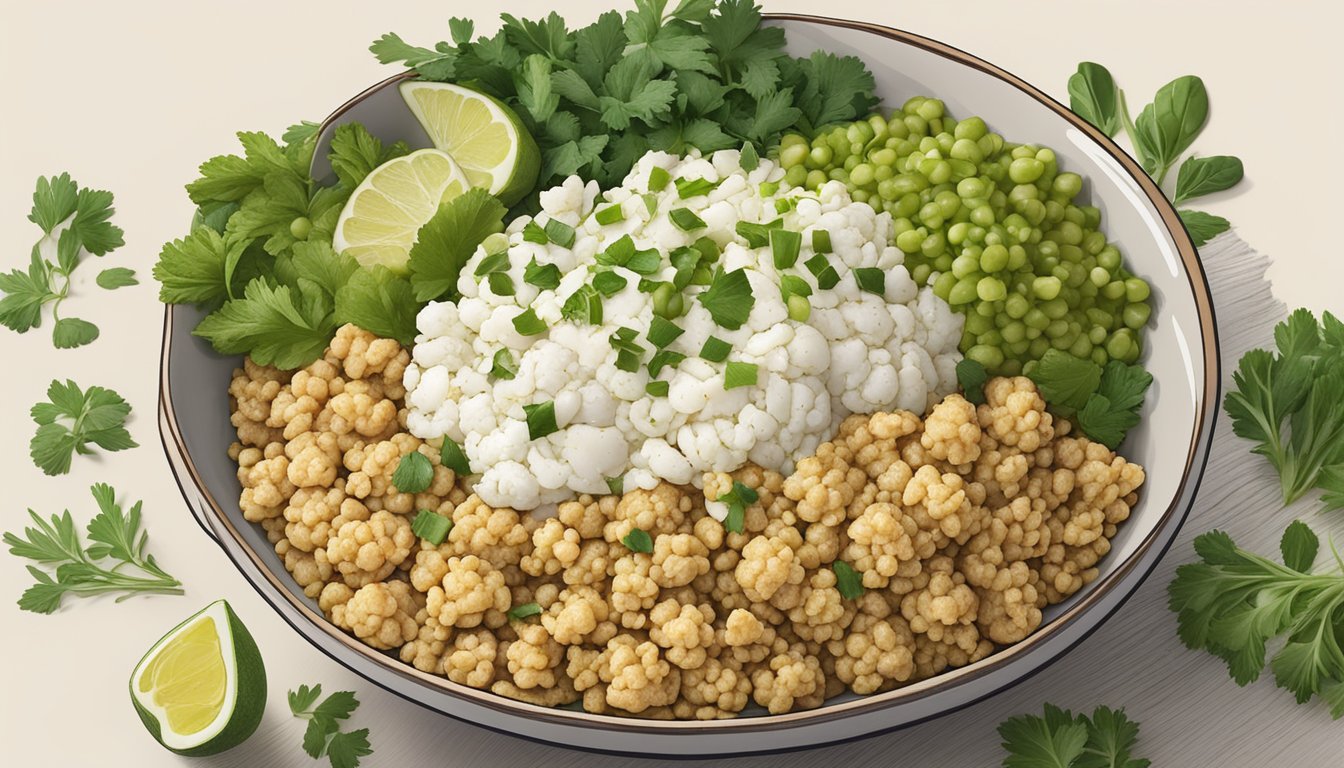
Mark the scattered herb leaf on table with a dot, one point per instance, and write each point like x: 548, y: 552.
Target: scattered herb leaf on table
x: 71, y: 419
x: 1060, y: 739
x: 324, y: 736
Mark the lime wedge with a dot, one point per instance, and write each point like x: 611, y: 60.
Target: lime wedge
x: 385, y: 212
x: 483, y: 136
x: 202, y: 688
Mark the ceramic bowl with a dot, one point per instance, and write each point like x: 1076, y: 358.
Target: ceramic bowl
x: 1172, y: 442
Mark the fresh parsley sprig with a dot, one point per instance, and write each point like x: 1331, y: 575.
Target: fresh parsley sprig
x: 1060, y: 739
x: 1234, y: 602
x: 1164, y: 130
x: 1287, y: 402
x: 324, y: 736
x: 85, y: 213
x: 73, y: 419
x: 82, y: 571
x: 1104, y: 402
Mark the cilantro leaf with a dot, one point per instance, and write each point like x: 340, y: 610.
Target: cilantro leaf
x: 1202, y: 226
x: 414, y: 473
x: 275, y: 325
x: 432, y: 64
x: 192, y: 270
x: 304, y: 698
x: 26, y: 292
x: 71, y: 419
x: 447, y: 241
x: 355, y: 153
x: 379, y: 301
x: 345, y: 749
x: 1065, y: 380
x: 1102, y: 421
x: 729, y: 298
x: 323, y: 736
x: 837, y: 88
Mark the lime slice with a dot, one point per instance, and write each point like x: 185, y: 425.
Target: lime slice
x: 385, y: 212
x: 483, y: 136
x: 202, y: 688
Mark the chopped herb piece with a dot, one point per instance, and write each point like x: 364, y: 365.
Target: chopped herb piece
x: 821, y: 241
x: 650, y: 202
x: 739, y: 375
x: 793, y: 285
x: 685, y: 219
x: 324, y: 737
x: 560, y: 233
x: 70, y: 421
x: 414, y: 473
x: 528, y: 324
x: 821, y: 269
x: 738, y: 498
x: 688, y: 188
x: 628, y: 360
x: 618, y: 253
x: 609, y: 283
x: 609, y: 215
x: 708, y: 249
x: 750, y: 160
x: 684, y: 260
x: 645, y: 285
x: 662, y: 358
x: 500, y: 283
x: 431, y: 526
x: 533, y: 233
x: 645, y: 262
x: 657, y: 388
x: 616, y: 484
x: 663, y: 332
x: 769, y: 188
x: 543, y: 276
x: 503, y: 366
x: 658, y: 178
x: 785, y: 204
x: 495, y: 262
x: 972, y: 377
x: 715, y: 350
x: 757, y: 235
x: 526, y: 610
x: 583, y: 306
x: 847, y: 580
x: 540, y: 419
x: 728, y: 299
x: 628, y: 351
x: 453, y: 457
x: 638, y: 540
x: 784, y: 247
x: 871, y: 280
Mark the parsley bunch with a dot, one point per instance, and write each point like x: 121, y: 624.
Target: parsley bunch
x: 324, y: 736
x: 1234, y: 602
x: 80, y: 570
x: 702, y: 74
x: 85, y: 213
x: 1289, y: 404
x: 1061, y: 739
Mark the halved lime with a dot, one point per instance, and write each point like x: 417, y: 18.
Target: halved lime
x: 202, y: 688
x: 385, y: 212
x: 483, y: 136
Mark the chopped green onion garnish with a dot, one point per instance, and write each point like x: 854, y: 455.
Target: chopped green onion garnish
x: 495, y: 262
x: 645, y: 285
x: 793, y: 285
x: 688, y: 188
x: 657, y: 388
x: 618, y: 253
x: 533, y: 233
x: 609, y: 283
x: 431, y: 526
x: 708, y: 249
x: 821, y: 268
x: 685, y: 219
x: 821, y: 241
x: 847, y: 581
x: 645, y: 262
x: 453, y: 457
x: 785, y: 204
x: 500, y: 283
x: 650, y: 202
x: 502, y: 366
x: 638, y: 540
x: 544, y: 276
x: 520, y: 612
x: 663, y: 332
x: 658, y: 178
x: 750, y: 160
x: 628, y: 352
x: 728, y: 298
x: 715, y: 350
x: 583, y: 306
x: 785, y: 245
x: 663, y: 358
x: 757, y: 235
x: 872, y: 280
x: 739, y: 375
x: 528, y: 324
x: 738, y: 499
x: 560, y: 233
x: 540, y: 419
x: 616, y: 484
x: 769, y: 188
x: 684, y: 260
x: 609, y: 215
x: 627, y: 360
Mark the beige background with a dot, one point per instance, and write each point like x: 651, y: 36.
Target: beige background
x: 131, y: 96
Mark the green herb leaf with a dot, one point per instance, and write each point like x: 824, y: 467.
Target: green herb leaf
x: 871, y: 280
x: 1299, y: 546
x: 355, y: 153
x: 583, y: 306
x: 116, y: 277
x: 520, y: 612
x: 972, y: 377
x: 528, y: 324
x: 729, y: 298
x: 1202, y: 226
x: 757, y: 235
x: 685, y: 219
x: 785, y: 245
x: 609, y: 283
x: 560, y: 233
x: 502, y: 365
x: 273, y: 324
x: 543, y: 276
x: 431, y: 526
x: 658, y: 388
x: 1102, y: 421
x: 447, y: 241
x: 540, y: 419
x: 379, y: 301
x: 847, y: 580
x: 1170, y: 124
x: 737, y: 374
x: 1065, y: 380
x: 71, y: 332
x: 616, y: 484
x: 453, y: 457
x: 1094, y: 97
x: 645, y: 262
x: 661, y: 359
x: 738, y: 498
x: 500, y: 284
x: 609, y: 215
x: 71, y: 420
x: 821, y: 269
x: 663, y: 332
x: 1199, y: 176
x: 658, y: 178
x: 715, y: 350
x: 638, y: 540
x: 323, y: 736
x: 689, y: 188
x: 414, y: 473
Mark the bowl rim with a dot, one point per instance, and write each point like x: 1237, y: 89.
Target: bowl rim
x: 1207, y: 398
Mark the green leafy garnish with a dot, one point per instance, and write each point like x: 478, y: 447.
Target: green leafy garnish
x: 453, y: 457
x: 715, y: 350
x: 609, y: 215
x: 609, y: 283
x: 1287, y: 402
x: 528, y: 324
x: 729, y: 298
x: 71, y: 420
x: 1064, y: 380
x: 502, y: 365
x: 1234, y: 602
x: 583, y: 306
x: 821, y: 241
x: 616, y: 484
x: 324, y: 736
x: 46, y: 283
x: 658, y: 178
x: 972, y: 376
x: 1201, y: 176
x: 431, y: 526
x: 663, y: 331
x: 560, y: 233
x: 378, y: 301
x: 1094, y: 97
x: 821, y: 269
x: 1061, y: 739
x: 543, y: 276
x: 685, y: 219
x: 738, y: 498
x: 638, y: 540
x: 737, y: 374
x: 662, y: 358
x: 1202, y: 226
x: 81, y: 571
x: 520, y: 612
x: 847, y: 580
x: 750, y: 159
x: 540, y: 419
x: 645, y: 262
x: 871, y: 280
x: 688, y: 188
x: 757, y: 235
x: 1104, y: 402
x: 414, y: 473
x: 447, y: 241
x: 785, y: 245
x: 658, y: 388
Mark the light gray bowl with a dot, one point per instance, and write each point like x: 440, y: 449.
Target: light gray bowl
x: 1172, y: 442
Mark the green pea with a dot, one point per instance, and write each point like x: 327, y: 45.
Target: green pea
x: 1100, y: 318
x: 838, y: 174
x: 1026, y: 170
x: 851, y: 162
x: 1057, y: 329
x: 1136, y: 289
x: 942, y: 285
x: 1099, y: 356
x: 988, y: 356
x: 1099, y: 276
x: 1014, y: 332
x: 943, y: 262
x: 1055, y: 308
x: 1068, y: 185
x: 662, y: 300
x: 792, y: 139
x: 878, y: 126
x: 820, y: 157
x: 793, y: 155
x: 1017, y: 306
x: 964, y: 265
x: 1038, y: 348
x: 1109, y: 258
x: 1094, y: 242
x: 956, y: 234
x: 1120, y: 345
x: 861, y: 175
x: 920, y: 273
x: 796, y: 176
x: 1046, y: 288
x: 972, y: 128
x: 1114, y: 290
x: 991, y: 289
x: 815, y: 178
x: 300, y: 227
x: 918, y: 126
x: 1136, y: 315
x: 909, y: 241
x: 1097, y: 335
x: 908, y: 204
x: 982, y: 216
x: 1081, y: 347
x: 994, y: 258
x: 970, y: 188
x: 933, y: 245
x: 799, y: 308
x: 964, y: 292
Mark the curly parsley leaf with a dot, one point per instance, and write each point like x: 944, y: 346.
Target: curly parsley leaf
x: 73, y: 419
x: 1059, y: 739
x: 323, y: 736
x: 114, y: 534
